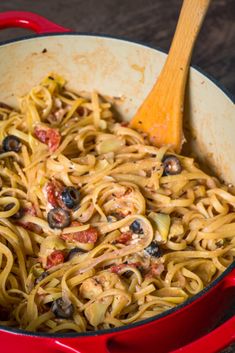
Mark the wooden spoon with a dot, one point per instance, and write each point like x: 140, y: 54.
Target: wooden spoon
x: 161, y: 114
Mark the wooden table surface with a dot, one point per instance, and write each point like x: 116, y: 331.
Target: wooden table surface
x: 149, y: 21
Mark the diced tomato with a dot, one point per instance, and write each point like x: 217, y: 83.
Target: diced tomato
x: 55, y: 258
x: 118, y: 268
x: 51, y: 137
x: 89, y: 235
x: 30, y: 210
x: 53, y: 190
x: 124, y: 237
x: 155, y: 270
x: 40, y: 134
x: 30, y: 226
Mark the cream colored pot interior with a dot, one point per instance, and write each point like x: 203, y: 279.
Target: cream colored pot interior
x: 125, y: 70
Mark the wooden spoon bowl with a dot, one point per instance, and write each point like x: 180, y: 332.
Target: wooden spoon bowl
x: 161, y: 114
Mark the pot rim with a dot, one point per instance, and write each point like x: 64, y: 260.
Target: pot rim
x: 187, y: 302
x: 225, y: 90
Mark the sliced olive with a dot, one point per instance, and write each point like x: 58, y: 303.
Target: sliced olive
x: 19, y: 214
x: 58, y: 218
x: 73, y: 252
x: 11, y: 143
x: 41, y: 277
x: 71, y: 197
x: 153, y: 249
x: 135, y: 227
x: 61, y: 309
x: 128, y: 273
x: 171, y: 165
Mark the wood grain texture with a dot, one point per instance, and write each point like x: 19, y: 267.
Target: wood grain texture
x: 149, y: 21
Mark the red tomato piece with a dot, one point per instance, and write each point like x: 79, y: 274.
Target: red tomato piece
x: 30, y: 226
x: 155, y: 270
x: 118, y: 268
x: 30, y: 210
x: 55, y: 258
x: 40, y: 134
x: 51, y: 137
x: 124, y: 237
x: 89, y: 235
x: 53, y: 190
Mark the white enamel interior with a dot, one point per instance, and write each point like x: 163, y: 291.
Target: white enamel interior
x: 123, y: 69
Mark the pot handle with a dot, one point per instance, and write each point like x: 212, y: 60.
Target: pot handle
x: 220, y: 337
x: 29, y: 20
x: 80, y: 346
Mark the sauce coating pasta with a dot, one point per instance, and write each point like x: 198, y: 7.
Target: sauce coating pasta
x: 98, y: 228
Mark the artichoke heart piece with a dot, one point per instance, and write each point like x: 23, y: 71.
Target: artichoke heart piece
x: 94, y: 286
x: 90, y: 288
x: 95, y: 312
x: 161, y: 222
x: 119, y: 303
x: 206, y: 271
x: 52, y: 242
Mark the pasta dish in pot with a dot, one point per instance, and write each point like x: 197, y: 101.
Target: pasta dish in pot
x: 99, y: 228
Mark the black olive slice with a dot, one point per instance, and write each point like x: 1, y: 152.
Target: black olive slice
x: 135, y: 227
x: 153, y: 249
x: 58, y: 218
x: 62, y: 310
x: 11, y: 143
x: 171, y: 165
x: 41, y: 277
x: 71, y: 197
x: 73, y: 252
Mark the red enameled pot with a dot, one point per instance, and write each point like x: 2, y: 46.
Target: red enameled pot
x: 108, y: 65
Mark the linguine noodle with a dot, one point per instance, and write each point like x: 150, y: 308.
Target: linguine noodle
x: 137, y: 243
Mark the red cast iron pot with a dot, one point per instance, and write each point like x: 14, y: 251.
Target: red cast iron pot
x: 183, y: 329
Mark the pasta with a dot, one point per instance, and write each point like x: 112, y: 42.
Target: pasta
x: 98, y: 228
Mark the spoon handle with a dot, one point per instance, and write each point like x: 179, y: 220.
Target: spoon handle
x: 190, y: 21
x: 160, y: 116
